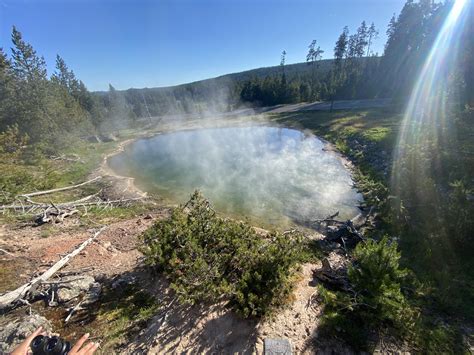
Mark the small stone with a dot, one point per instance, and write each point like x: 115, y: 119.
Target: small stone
x: 71, y: 290
x: 148, y: 216
x: 123, y: 281
x: 277, y: 346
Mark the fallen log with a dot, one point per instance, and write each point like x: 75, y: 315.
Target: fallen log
x: 70, y: 204
x: 12, y: 298
x: 7, y: 252
x: 73, y: 158
x: 330, y: 278
x: 345, y: 233
x: 57, y: 216
x: 38, y: 193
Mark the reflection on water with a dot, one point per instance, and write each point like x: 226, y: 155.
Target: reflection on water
x: 266, y: 173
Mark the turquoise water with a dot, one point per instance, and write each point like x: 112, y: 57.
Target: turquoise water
x: 274, y: 175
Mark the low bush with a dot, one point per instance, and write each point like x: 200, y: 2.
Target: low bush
x: 211, y: 259
x: 375, y: 301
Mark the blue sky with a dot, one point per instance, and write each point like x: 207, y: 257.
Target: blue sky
x: 144, y: 43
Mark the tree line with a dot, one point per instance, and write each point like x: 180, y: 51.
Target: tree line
x: 359, y: 73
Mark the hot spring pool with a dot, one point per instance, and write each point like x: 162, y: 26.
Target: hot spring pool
x: 274, y: 175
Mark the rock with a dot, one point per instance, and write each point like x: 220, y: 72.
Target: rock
x: 71, y: 290
x: 123, y: 281
x: 14, y: 333
x: 148, y: 216
x: 93, y: 294
x: 277, y: 346
x: 108, y: 137
x: 93, y: 139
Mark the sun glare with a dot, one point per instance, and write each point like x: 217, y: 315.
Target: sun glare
x: 425, y: 131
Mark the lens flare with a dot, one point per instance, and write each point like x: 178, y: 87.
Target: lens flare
x: 426, y: 131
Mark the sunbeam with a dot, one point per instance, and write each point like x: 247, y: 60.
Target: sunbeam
x: 425, y: 130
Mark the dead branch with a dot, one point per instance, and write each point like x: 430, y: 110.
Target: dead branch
x: 329, y: 277
x: 75, y: 272
x: 7, y: 252
x: 347, y: 233
x: 21, y: 293
x: 75, y: 158
x: 57, y: 216
x: 38, y: 193
x: 76, y: 307
x: 71, y: 204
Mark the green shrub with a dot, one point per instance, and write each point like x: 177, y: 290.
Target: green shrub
x: 208, y: 258
x: 375, y: 301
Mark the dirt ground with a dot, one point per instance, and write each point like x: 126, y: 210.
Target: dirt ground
x: 176, y: 328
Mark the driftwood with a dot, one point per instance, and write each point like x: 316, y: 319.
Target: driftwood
x: 15, y: 297
x: 7, y: 252
x: 38, y: 193
x: 330, y: 278
x: 74, y: 309
x: 347, y: 233
x: 54, y: 215
x: 69, y: 204
x: 73, y: 158
x: 76, y: 271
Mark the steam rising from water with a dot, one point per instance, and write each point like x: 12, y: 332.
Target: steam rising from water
x: 266, y: 173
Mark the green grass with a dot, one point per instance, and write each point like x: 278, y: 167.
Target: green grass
x: 101, y: 215
x: 112, y: 321
x: 121, y: 311
x: 378, y: 125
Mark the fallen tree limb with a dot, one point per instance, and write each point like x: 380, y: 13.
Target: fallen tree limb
x: 70, y: 204
x: 58, y: 216
x: 21, y: 293
x: 8, y: 253
x: 329, y: 277
x: 75, y: 272
x: 347, y: 233
x: 76, y: 307
x: 38, y: 193
x: 75, y: 158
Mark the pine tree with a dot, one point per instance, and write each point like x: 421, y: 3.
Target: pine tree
x: 361, y: 40
x: 30, y: 88
x: 341, y: 47
x: 372, y: 35
x: 5, y: 91
x: 26, y: 64
x: 314, y: 54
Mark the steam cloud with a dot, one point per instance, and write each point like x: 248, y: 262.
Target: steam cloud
x: 263, y: 172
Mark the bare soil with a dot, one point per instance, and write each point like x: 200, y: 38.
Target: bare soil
x: 176, y: 328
